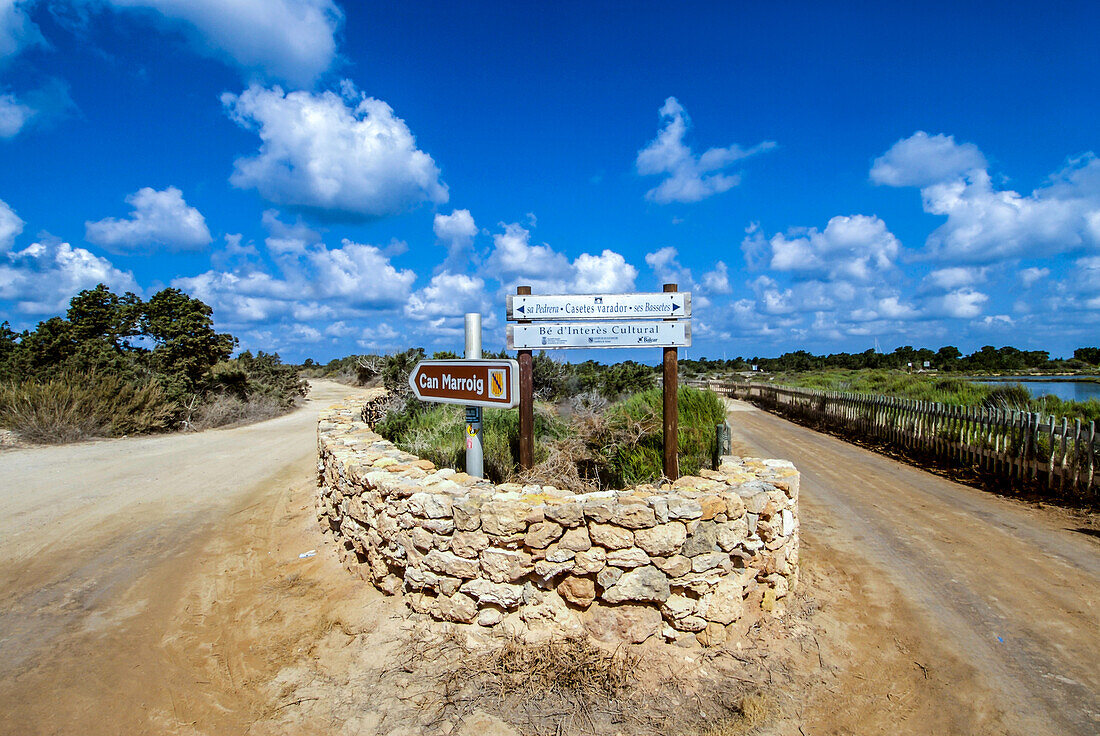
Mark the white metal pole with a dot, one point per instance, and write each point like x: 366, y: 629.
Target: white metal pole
x: 475, y: 456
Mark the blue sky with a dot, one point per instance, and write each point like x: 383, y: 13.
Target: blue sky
x: 336, y: 178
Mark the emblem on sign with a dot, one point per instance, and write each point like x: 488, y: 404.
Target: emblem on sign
x: 496, y: 384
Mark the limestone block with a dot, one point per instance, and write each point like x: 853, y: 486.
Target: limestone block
x: 713, y: 635
x: 732, y: 533
x: 504, y: 518
x: 431, y: 505
x: 549, y: 570
x: 451, y: 564
x: 674, y: 566
x: 684, y: 508
x: 580, y: 591
x: 559, y: 554
x: 467, y: 515
x: 439, y: 526
x: 711, y: 505
x: 600, y: 510
x: 469, y: 544
x: 610, y: 536
x: 459, y: 608
x: 490, y: 616
x: 504, y: 595
x: 505, y: 566
x: 630, y: 557
x: 660, y: 508
x: 677, y: 606
x: 540, y: 535
x: 663, y: 539
x: 422, y: 539
x: 576, y: 539
x: 703, y: 540
x: 724, y: 604
x: 641, y: 584
x: 608, y: 576
x: 567, y: 514
x: 634, y: 516
x: 590, y: 561
x: 449, y: 585
x: 690, y: 623
x: 709, y: 561
x: 786, y: 525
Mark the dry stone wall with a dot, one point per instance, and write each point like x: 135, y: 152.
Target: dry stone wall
x: 704, y: 557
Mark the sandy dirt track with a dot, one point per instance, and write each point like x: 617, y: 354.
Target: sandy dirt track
x: 153, y: 586
x: 1011, y: 591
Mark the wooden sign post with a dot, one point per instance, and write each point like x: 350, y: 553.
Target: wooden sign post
x: 600, y: 321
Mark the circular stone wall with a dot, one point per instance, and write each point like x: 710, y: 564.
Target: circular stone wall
x: 704, y: 557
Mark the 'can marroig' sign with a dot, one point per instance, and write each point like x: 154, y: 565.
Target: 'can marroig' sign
x: 467, y: 382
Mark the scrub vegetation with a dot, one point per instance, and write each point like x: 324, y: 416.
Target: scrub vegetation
x: 117, y: 365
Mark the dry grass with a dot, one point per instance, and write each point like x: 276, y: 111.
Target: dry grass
x: 225, y: 410
x: 570, y: 686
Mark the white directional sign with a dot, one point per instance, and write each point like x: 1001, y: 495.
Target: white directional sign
x: 659, y: 305
x: 600, y: 335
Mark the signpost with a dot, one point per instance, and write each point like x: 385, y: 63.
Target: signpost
x: 619, y: 334
x: 656, y: 320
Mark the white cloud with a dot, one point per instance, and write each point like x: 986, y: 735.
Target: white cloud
x: 689, y: 178
x: 159, y: 219
x: 456, y: 231
x: 10, y: 226
x: 852, y: 248
x: 43, y: 277
x: 17, y: 30
x: 921, y: 160
x: 962, y: 303
x: 446, y: 299
x: 1030, y: 276
x: 986, y: 224
x: 346, y: 157
x: 314, y: 281
x: 718, y: 280
x: 607, y: 273
x: 665, y: 264
x: 13, y: 116
x: 515, y: 261
x: 955, y: 276
x: 284, y: 40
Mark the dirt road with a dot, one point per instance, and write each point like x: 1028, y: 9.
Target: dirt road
x: 87, y: 533
x: 1012, y: 593
x: 154, y: 586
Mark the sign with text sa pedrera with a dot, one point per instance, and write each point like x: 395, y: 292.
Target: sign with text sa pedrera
x: 666, y: 305
x: 631, y: 334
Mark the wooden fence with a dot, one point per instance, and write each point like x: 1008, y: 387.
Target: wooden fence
x: 1020, y: 448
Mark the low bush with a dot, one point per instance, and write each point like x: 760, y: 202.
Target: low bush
x: 228, y: 410
x: 72, y: 407
x: 613, y: 447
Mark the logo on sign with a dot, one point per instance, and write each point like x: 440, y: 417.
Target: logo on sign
x: 496, y: 384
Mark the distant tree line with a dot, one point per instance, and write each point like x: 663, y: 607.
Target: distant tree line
x: 947, y: 359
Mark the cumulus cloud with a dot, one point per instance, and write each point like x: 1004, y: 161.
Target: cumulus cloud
x: 443, y: 303
x: 853, y: 248
x: 688, y: 178
x: 343, y: 156
x: 13, y: 115
x: 515, y: 260
x: 954, y: 277
x: 43, y: 277
x: 291, y: 41
x: 456, y: 231
x: 1030, y: 276
x: 922, y: 159
x: 962, y: 303
x: 986, y: 224
x: 718, y: 280
x: 159, y: 218
x: 313, y: 281
x: 17, y: 30
x: 10, y: 226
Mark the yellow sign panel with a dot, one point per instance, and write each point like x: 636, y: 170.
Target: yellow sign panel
x: 496, y: 384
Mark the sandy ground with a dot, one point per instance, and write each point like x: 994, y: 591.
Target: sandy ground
x: 155, y: 586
